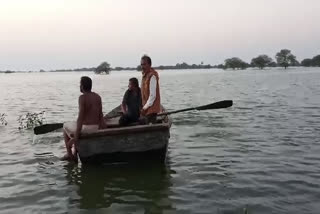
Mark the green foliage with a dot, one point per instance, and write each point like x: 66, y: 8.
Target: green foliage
x: 235, y: 62
x: 316, y: 61
x: 104, y: 67
x: 3, y: 119
x: 118, y: 68
x: 181, y: 66
x: 261, y: 61
x: 306, y: 62
x: 220, y: 66
x: 31, y: 120
x: 285, y: 58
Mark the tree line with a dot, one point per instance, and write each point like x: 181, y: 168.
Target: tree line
x: 283, y: 58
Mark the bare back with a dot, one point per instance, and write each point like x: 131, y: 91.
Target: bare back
x: 92, y: 108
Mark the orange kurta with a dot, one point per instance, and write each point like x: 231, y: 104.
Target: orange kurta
x: 145, y: 92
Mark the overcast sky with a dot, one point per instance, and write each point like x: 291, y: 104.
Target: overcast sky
x: 54, y: 34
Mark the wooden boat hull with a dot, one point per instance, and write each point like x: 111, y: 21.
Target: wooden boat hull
x: 126, y: 144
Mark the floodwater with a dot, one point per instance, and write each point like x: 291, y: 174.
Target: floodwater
x: 261, y: 155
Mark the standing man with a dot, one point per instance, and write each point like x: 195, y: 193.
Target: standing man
x: 150, y: 91
x: 90, y: 118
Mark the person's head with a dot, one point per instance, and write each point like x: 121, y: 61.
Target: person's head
x: 145, y: 63
x: 133, y: 83
x: 85, y: 84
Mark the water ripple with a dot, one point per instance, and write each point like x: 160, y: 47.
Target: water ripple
x: 262, y: 154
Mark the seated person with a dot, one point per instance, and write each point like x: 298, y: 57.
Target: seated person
x: 90, y: 118
x: 131, y: 103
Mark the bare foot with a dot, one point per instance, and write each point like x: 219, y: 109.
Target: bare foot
x: 66, y: 158
x: 71, y: 158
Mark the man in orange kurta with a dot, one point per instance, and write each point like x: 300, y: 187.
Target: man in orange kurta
x: 150, y: 91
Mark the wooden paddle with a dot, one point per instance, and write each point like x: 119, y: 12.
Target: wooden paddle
x: 217, y: 105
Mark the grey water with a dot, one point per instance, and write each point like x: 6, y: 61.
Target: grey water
x: 261, y: 155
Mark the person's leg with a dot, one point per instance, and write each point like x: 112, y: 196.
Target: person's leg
x: 150, y: 118
x: 143, y: 120
x: 68, y: 140
x: 73, y: 155
x: 124, y: 120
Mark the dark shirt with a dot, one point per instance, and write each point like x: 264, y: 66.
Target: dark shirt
x: 133, y: 101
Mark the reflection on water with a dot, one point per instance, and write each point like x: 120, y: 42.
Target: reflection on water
x: 121, y: 188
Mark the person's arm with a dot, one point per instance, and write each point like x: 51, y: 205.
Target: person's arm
x: 140, y: 100
x: 153, y: 93
x: 124, y: 108
x: 80, y: 118
x: 103, y: 124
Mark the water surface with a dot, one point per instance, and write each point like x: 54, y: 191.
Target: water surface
x: 263, y: 153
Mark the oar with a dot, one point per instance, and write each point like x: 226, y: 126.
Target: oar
x: 46, y: 128
x: 217, y: 105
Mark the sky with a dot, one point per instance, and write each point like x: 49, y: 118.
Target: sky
x: 63, y: 34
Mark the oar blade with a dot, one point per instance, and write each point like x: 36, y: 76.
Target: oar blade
x: 43, y: 129
x: 217, y: 105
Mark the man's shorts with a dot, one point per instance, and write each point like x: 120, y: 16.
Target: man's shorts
x: 71, y: 127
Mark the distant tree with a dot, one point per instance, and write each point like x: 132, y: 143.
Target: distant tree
x: 273, y: 64
x: 261, y: 61
x: 285, y: 58
x: 206, y: 66
x: 118, y: 68
x: 184, y: 65
x: 316, y: 61
x: 103, y: 68
x: 220, y: 66
x: 235, y: 62
x: 306, y: 62
x: 139, y: 68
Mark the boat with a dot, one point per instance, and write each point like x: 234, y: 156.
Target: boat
x: 128, y: 144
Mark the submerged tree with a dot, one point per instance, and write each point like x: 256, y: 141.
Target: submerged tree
x: 235, y: 62
x: 103, y: 68
x: 316, y: 61
x: 261, y: 61
x: 31, y: 120
x: 285, y: 58
x: 306, y: 62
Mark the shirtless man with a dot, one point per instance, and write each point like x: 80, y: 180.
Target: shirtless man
x: 90, y: 118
